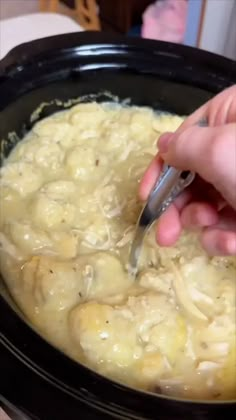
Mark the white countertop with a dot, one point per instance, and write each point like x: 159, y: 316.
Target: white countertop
x: 26, y: 28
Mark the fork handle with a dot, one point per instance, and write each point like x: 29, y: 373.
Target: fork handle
x: 169, y: 185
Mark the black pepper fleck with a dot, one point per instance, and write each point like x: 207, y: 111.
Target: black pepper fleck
x: 97, y: 162
x: 204, y: 345
x: 51, y: 271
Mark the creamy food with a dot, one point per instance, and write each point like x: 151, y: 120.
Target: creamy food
x: 68, y: 211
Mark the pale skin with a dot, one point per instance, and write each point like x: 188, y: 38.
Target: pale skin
x: 210, y: 203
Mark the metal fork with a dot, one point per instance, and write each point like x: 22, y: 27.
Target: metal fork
x: 169, y: 185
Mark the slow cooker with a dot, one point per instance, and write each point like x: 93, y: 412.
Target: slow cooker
x: 36, y: 380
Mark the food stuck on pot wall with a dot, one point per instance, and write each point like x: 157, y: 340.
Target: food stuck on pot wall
x: 68, y: 212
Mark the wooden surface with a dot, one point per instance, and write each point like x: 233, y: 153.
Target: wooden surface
x: 121, y: 15
x: 203, y: 9
x: 118, y: 15
x: 87, y: 14
x: 48, y: 5
x: 83, y: 11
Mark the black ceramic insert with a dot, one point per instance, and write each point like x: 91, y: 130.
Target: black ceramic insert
x: 35, y: 377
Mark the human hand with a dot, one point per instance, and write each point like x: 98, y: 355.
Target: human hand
x: 210, y: 202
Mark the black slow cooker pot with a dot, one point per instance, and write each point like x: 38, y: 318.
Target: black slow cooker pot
x: 35, y: 377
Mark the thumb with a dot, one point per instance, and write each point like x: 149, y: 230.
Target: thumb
x: 210, y: 152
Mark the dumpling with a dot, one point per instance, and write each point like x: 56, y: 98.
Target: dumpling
x: 52, y: 214
x: 105, y: 336
x: 23, y: 177
x: 53, y: 284
x: 103, y: 274
x: 84, y: 163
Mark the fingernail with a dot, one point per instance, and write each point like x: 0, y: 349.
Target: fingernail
x: 163, y: 142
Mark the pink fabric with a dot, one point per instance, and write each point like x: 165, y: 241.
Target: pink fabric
x: 165, y: 20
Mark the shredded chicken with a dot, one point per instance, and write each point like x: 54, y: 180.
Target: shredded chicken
x: 69, y: 206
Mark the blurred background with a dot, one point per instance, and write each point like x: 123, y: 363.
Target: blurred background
x: 207, y: 24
